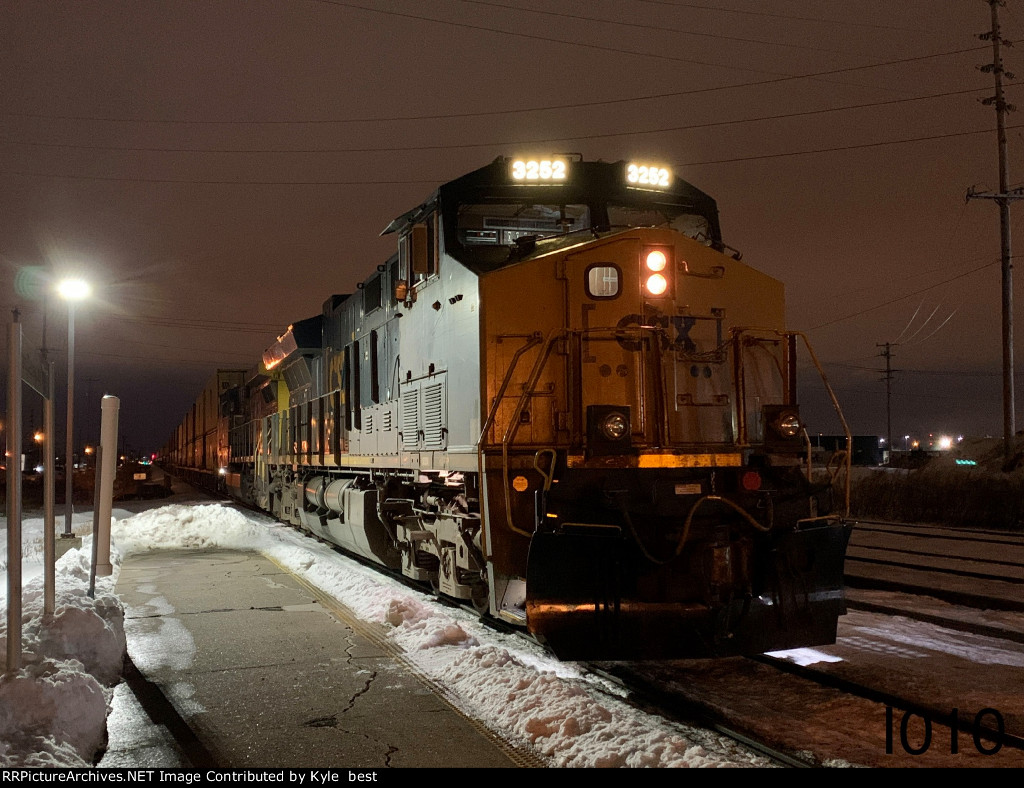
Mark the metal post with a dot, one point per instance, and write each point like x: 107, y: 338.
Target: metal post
x: 69, y: 463
x: 14, y: 497
x: 49, y: 495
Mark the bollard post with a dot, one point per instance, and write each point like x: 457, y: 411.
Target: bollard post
x: 108, y: 442
x: 96, y: 494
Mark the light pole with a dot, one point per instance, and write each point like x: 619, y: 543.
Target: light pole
x: 72, y: 291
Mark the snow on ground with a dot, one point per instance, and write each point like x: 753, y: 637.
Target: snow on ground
x: 52, y: 711
x: 58, y: 708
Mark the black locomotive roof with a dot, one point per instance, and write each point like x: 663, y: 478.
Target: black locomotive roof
x: 588, y: 180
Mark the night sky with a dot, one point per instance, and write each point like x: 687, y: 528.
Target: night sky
x: 218, y: 168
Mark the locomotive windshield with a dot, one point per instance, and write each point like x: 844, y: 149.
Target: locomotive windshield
x: 502, y: 223
x: 487, y: 232
x: 679, y: 218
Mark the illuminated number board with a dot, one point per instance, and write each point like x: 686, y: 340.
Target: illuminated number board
x: 539, y: 170
x: 649, y: 176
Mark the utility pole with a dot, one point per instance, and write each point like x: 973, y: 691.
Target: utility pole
x: 1003, y: 199
x: 887, y: 354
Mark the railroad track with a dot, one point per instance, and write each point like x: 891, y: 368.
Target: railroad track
x: 963, y: 723
x: 969, y: 568
x: 878, y: 729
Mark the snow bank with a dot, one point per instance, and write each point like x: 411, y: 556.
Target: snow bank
x: 53, y: 710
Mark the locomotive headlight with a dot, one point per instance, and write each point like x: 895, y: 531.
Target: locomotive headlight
x: 656, y: 284
x: 656, y: 260
x: 608, y: 429
x: 789, y: 425
x: 615, y: 426
x: 783, y: 428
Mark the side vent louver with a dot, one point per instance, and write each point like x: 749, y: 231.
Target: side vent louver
x: 424, y: 414
x: 433, y: 416
x: 410, y: 417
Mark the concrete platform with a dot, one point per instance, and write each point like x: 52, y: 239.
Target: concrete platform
x: 244, y: 665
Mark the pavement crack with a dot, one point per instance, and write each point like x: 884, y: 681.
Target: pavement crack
x: 357, y: 695
x: 322, y: 722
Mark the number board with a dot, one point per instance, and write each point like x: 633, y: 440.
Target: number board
x: 648, y: 176
x: 539, y: 170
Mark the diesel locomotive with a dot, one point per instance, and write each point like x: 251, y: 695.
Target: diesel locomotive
x: 563, y: 401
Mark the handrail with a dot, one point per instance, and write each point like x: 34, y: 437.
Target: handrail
x: 842, y: 420
x: 513, y: 425
x: 848, y: 460
x: 533, y: 341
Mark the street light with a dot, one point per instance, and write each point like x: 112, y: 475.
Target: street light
x: 72, y: 291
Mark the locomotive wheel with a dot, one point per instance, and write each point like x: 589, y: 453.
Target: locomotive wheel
x: 481, y: 599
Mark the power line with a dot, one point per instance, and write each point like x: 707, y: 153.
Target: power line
x: 535, y: 37
x: 953, y: 372
x: 641, y: 26
x: 785, y: 16
x: 379, y: 182
x: 210, y: 182
x: 861, y: 146
x: 161, y: 361
x: 518, y: 111
x: 902, y: 297
x: 454, y: 146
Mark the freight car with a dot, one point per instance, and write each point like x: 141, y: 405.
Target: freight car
x: 565, y: 402
x: 198, y: 448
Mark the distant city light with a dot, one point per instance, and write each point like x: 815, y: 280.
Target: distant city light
x: 945, y: 442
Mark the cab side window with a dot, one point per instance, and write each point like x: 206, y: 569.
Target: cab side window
x: 417, y: 257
